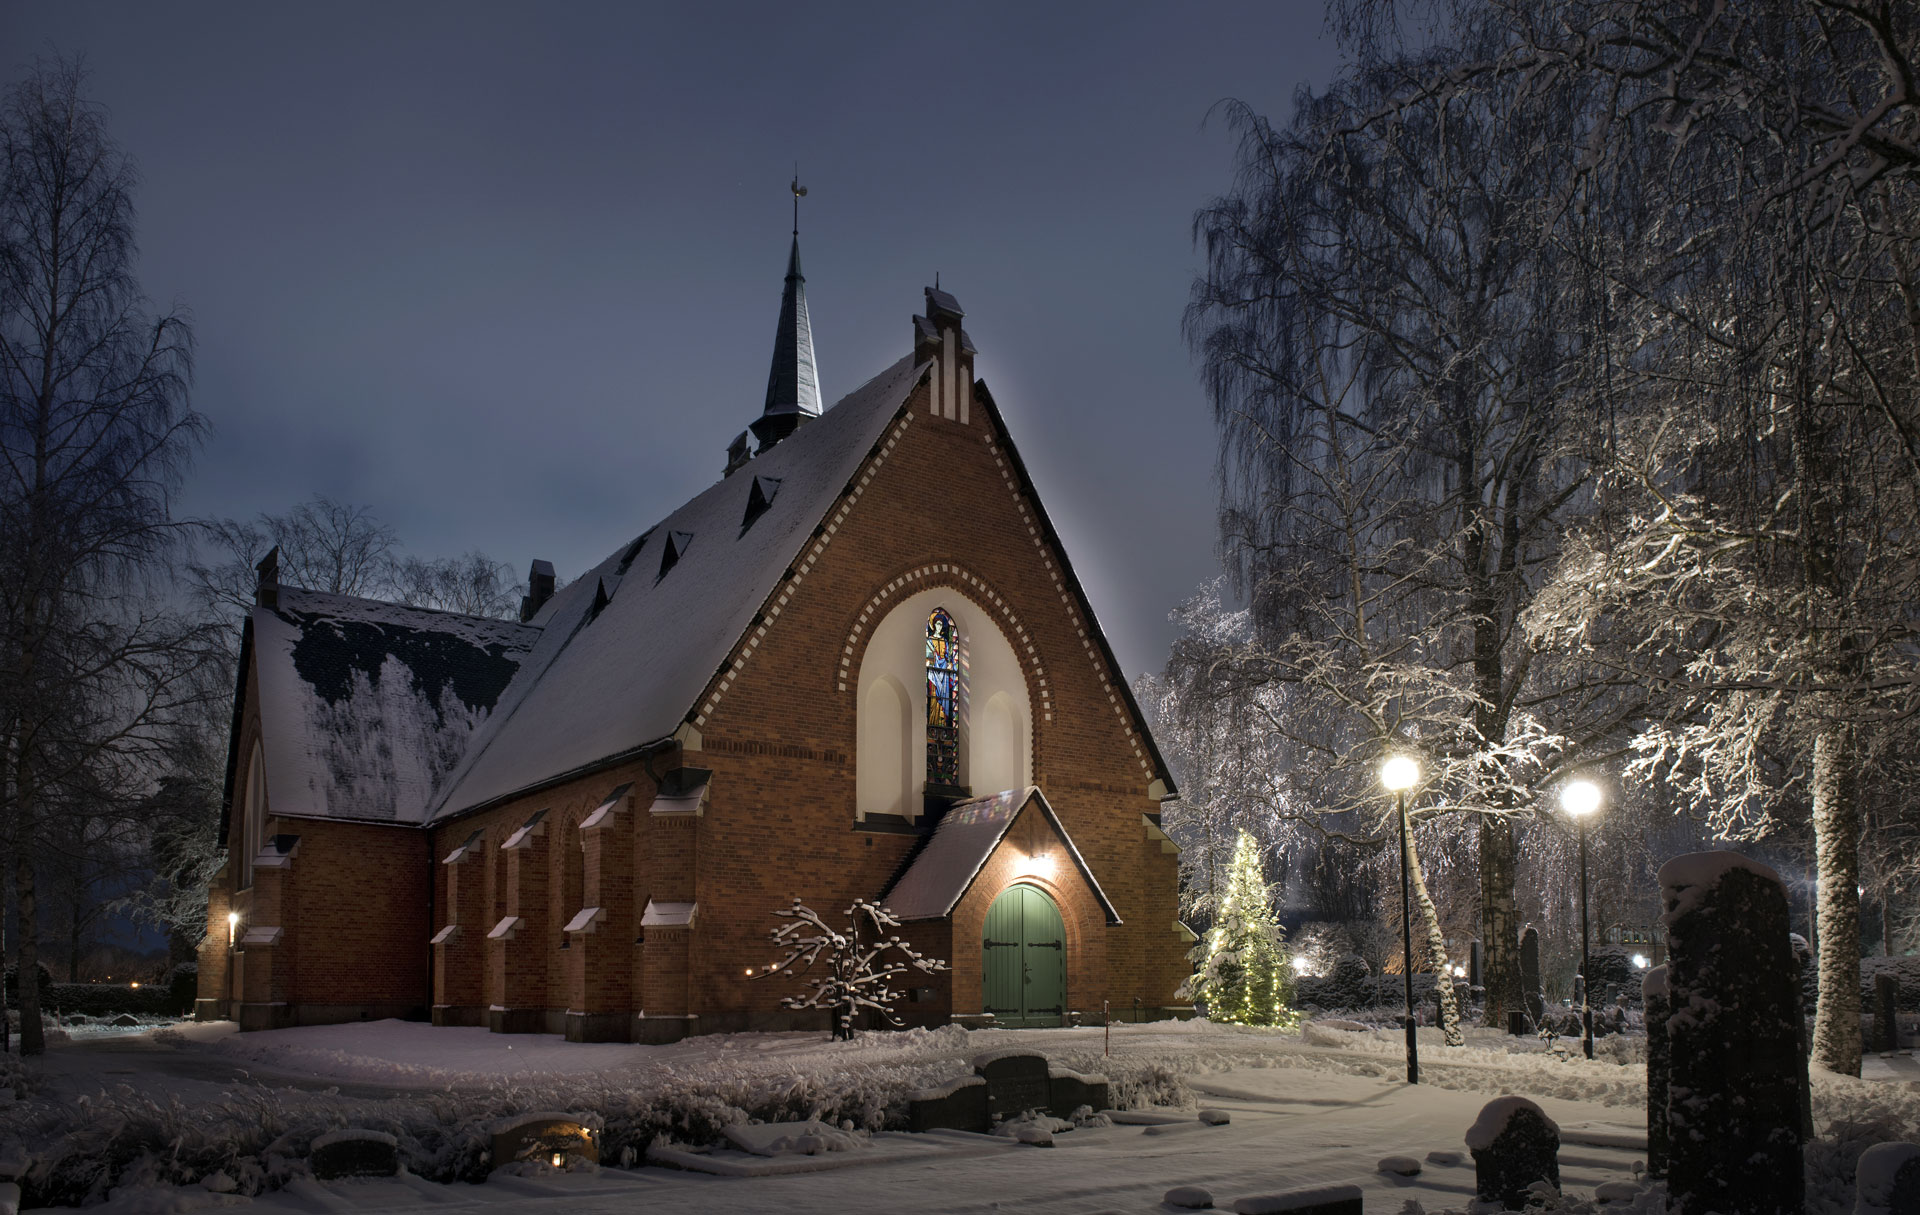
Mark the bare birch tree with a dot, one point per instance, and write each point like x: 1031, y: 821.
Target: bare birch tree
x: 94, y: 435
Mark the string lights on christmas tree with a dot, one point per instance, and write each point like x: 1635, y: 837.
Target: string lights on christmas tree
x: 1244, y: 974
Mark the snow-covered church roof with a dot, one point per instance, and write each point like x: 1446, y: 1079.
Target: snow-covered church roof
x: 672, y: 605
x: 366, y: 706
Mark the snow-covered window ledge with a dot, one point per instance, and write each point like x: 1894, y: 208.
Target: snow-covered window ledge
x: 603, y: 814
x: 446, y: 934
x: 1155, y: 833
x: 504, y: 930
x: 529, y: 831
x: 588, y: 919
x: 683, y: 791
x: 261, y: 935
x: 668, y: 915
x: 1186, y: 934
x: 470, y: 848
x: 278, y: 853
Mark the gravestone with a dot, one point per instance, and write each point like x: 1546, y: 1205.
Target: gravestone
x: 1017, y: 1081
x: 1068, y: 1090
x: 1514, y: 1144
x: 1887, y: 1180
x: 1653, y: 989
x: 1532, y: 987
x: 957, y: 1106
x: 354, y: 1153
x: 1735, y: 1068
x: 1886, y: 1012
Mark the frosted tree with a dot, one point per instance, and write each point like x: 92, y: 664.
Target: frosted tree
x: 1764, y: 465
x: 1244, y: 972
x: 855, y: 974
x: 1398, y: 362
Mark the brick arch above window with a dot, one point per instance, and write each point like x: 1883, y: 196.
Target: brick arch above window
x: 978, y: 592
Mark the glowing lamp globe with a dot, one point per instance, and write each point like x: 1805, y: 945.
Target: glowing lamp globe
x: 1400, y: 773
x: 1581, y: 798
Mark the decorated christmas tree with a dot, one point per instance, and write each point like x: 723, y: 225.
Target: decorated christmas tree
x: 1244, y: 970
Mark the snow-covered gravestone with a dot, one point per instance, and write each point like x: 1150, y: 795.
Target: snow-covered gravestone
x: 1514, y: 1144
x: 1733, y: 1032
x: 1887, y: 1180
x: 1653, y: 990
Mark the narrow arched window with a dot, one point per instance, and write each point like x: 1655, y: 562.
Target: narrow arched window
x: 943, y: 700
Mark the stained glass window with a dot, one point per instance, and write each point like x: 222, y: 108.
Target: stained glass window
x: 943, y: 700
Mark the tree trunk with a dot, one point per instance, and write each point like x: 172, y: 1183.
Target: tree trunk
x: 1499, y: 921
x: 1436, y: 950
x: 33, y: 1040
x: 1836, y: 830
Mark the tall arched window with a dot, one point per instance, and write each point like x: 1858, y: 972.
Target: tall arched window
x: 943, y: 700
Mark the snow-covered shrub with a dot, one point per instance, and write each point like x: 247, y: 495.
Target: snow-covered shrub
x: 1244, y: 976
x: 858, y: 975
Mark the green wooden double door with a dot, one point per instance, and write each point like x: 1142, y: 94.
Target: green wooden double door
x: 1025, y: 967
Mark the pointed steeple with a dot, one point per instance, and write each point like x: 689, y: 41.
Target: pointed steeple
x: 793, y: 385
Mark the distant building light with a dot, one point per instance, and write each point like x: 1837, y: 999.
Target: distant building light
x: 1639, y: 961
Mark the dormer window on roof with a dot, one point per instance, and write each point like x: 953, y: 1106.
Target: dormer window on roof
x: 633, y: 550
x: 759, y: 498
x: 676, y: 545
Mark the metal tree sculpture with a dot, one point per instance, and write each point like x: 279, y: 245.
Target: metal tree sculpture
x: 859, y: 974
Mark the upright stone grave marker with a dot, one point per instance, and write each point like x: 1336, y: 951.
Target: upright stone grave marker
x: 1886, y: 1012
x: 1653, y: 989
x: 1531, y: 985
x: 1735, y: 1069
x: 1514, y: 1144
x: 1017, y: 1081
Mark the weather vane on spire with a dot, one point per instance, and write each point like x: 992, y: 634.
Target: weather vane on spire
x: 799, y: 192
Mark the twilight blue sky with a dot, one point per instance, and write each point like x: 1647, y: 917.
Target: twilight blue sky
x: 509, y: 273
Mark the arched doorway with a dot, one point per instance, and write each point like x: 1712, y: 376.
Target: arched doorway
x: 1025, y: 965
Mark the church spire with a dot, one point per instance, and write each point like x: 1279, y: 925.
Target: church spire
x: 793, y: 385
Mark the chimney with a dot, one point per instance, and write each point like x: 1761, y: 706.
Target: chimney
x: 539, y: 589
x: 266, y: 591
x: 738, y: 453
x: 938, y: 338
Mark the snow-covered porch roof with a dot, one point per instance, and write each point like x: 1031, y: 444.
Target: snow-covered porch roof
x: 946, y: 866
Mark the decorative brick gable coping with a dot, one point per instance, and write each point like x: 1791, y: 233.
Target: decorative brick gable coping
x: 1101, y: 660
x: 778, y: 598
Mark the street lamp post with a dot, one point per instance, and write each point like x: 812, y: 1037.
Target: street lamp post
x: 1581, y: 798
x: 1399, y: 774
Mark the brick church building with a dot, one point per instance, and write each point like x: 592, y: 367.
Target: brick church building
x: 804, y: 682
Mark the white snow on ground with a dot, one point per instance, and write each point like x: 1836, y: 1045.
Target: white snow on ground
x: 1317, y: 1108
